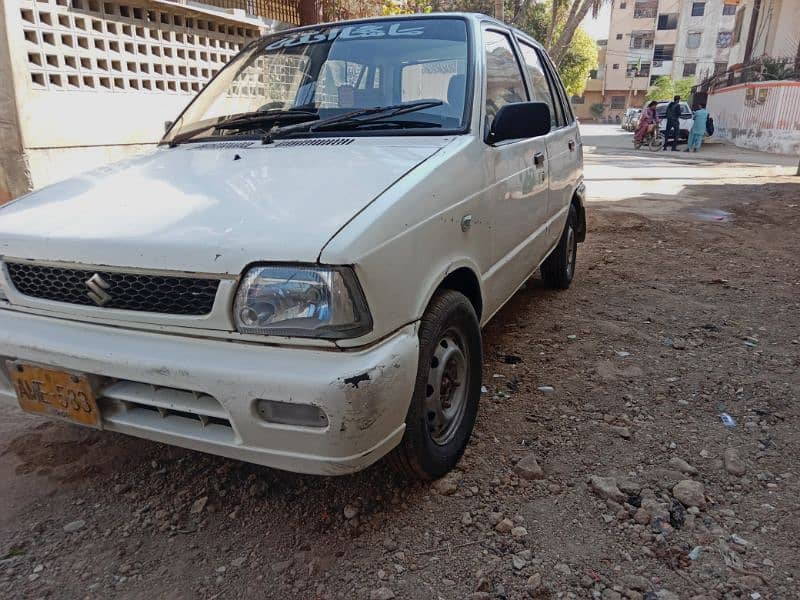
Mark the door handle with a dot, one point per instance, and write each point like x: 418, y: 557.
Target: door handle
x: 571, y: 145
x: 538, y: 159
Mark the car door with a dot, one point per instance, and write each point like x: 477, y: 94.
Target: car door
x: 562, y: 142
x: 517, y: 195
x: 573, y: 165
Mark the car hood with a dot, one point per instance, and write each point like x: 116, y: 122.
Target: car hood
x: 210, y: 207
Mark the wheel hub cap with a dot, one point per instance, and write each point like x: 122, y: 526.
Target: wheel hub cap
x: 446, y: 391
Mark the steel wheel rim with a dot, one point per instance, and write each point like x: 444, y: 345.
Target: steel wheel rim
x: 570, y: 250
x: 446, y: 390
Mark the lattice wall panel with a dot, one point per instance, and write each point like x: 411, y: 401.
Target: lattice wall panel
x: 113, y: 46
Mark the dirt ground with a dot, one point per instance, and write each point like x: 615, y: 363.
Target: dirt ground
x: 673, y: 319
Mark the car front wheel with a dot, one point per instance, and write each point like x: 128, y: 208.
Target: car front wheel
x: 447, y: 390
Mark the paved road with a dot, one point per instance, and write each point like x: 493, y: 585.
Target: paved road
x: 615, y: 172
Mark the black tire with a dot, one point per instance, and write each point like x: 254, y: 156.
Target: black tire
x: 558, y: 269
x: 428, y: 451
x: 656, y: 143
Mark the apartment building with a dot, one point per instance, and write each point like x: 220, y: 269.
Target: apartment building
x: 649, y: 39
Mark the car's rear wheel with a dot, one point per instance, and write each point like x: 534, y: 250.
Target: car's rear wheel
x: 558, y: 269
x: 448, y: 387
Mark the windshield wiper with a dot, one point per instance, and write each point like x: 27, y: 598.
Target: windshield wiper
x: 380, y: 123
x: 256, y: 117
x: 246, y: 120
x: 354, y: 118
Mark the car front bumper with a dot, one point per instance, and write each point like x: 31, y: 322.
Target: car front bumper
x: 201, y: 394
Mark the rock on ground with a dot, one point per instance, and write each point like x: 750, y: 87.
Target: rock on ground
x: 734, y: 463
x: 690, y: 493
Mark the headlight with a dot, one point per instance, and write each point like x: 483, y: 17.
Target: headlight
x: 302, y: 301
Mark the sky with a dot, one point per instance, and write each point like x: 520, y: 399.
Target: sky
x: 598, y: 28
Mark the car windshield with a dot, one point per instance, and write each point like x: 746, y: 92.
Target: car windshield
x: 314, y: 74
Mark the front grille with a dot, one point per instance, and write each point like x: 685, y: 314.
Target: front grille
x: 127, y: 291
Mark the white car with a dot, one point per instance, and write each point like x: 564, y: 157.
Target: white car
x: 686, y: 120
x: 298, y: 275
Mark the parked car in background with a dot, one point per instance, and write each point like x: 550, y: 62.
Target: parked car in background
x: 298, y: 275
x: 686, y: 120
x: 631, y: 119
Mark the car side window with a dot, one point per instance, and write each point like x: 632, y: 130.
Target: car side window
x: 566, y: 107
x: 536, y: 74
x: 504, y: 82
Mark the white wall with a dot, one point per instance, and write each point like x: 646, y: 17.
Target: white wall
x: 765, y: 119
x: 94, y: 80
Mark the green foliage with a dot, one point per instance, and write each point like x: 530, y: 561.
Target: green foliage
x: 597, y: 109
x: 580, y: 58
x: 773, y: 69
x: 405, y: 7
x: 665, y: 88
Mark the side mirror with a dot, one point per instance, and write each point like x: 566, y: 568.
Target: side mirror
x: 520, y: 120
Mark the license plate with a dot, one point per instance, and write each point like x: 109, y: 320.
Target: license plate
x: 55, y: 393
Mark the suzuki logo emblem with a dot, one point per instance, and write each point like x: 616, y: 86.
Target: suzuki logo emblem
x: 98, y: 290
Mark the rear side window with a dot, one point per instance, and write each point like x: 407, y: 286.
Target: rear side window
x: 504, y: 82
x: 566, y: 108
x: 541, y: 89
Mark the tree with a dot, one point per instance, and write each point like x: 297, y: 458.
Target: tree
x: 597, y: 109
x: 581, y: 57
x: 406, y: 7
x: 665, y: 88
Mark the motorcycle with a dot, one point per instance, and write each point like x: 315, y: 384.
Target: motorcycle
x: 653, y: 139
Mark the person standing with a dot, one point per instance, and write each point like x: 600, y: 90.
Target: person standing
x: 699, y: 128
x: 673, y: 123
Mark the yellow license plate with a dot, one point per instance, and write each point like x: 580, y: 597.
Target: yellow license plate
x: 55, y: 393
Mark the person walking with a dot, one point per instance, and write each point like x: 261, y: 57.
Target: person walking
x: 673, y: 123
x: 648, y: 119
x: 699, y: 128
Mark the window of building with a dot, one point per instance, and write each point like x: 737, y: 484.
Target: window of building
x: 720, y: 67
x: 724, y: 39
x: 728, y: 9
x: 636, y: 69
x: 689, y: 69
x: 668, y: 21
x: 504, y: 83
x: 737, y: 27
x: 663, y: 52
x: 623, y: 5
x: 642, y: 39
x: 654, y: 78
x: 693, y: 39
x: 645, y: 9
x: 698, y: 9
x: 615, y: 66
x: 593, y: 74
x: 617, y: 102
x: 578, y: 100
x: 619, y: 36
x: 602, y: 43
